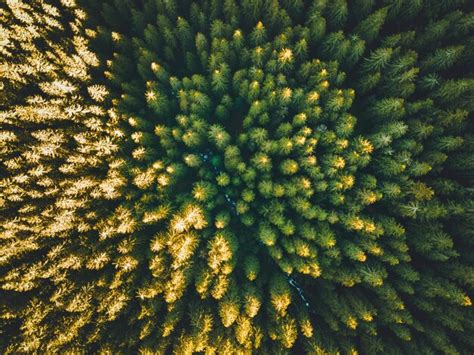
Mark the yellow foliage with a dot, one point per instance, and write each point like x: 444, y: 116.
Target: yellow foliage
x: 285, y: 55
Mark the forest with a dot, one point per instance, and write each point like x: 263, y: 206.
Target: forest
x: 237, y: 177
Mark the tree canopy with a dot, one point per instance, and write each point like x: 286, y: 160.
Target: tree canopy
x: 220, y: 177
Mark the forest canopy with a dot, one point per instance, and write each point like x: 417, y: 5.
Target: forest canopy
x: 236, y: 176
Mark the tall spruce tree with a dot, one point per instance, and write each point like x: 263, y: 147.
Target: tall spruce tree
x: 237, y: 176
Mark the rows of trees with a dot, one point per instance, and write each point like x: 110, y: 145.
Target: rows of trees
x: 237, y: 176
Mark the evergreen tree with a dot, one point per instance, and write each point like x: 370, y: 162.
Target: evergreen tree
x: 235, y: 177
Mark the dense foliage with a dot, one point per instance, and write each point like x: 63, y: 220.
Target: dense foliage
x: 237, y: 176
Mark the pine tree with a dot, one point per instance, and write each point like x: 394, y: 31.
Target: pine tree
x: 257, y: 176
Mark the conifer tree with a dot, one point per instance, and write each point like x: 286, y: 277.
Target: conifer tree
x: 255, y: 176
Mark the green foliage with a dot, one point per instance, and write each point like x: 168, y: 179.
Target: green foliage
x: 235, y: 177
